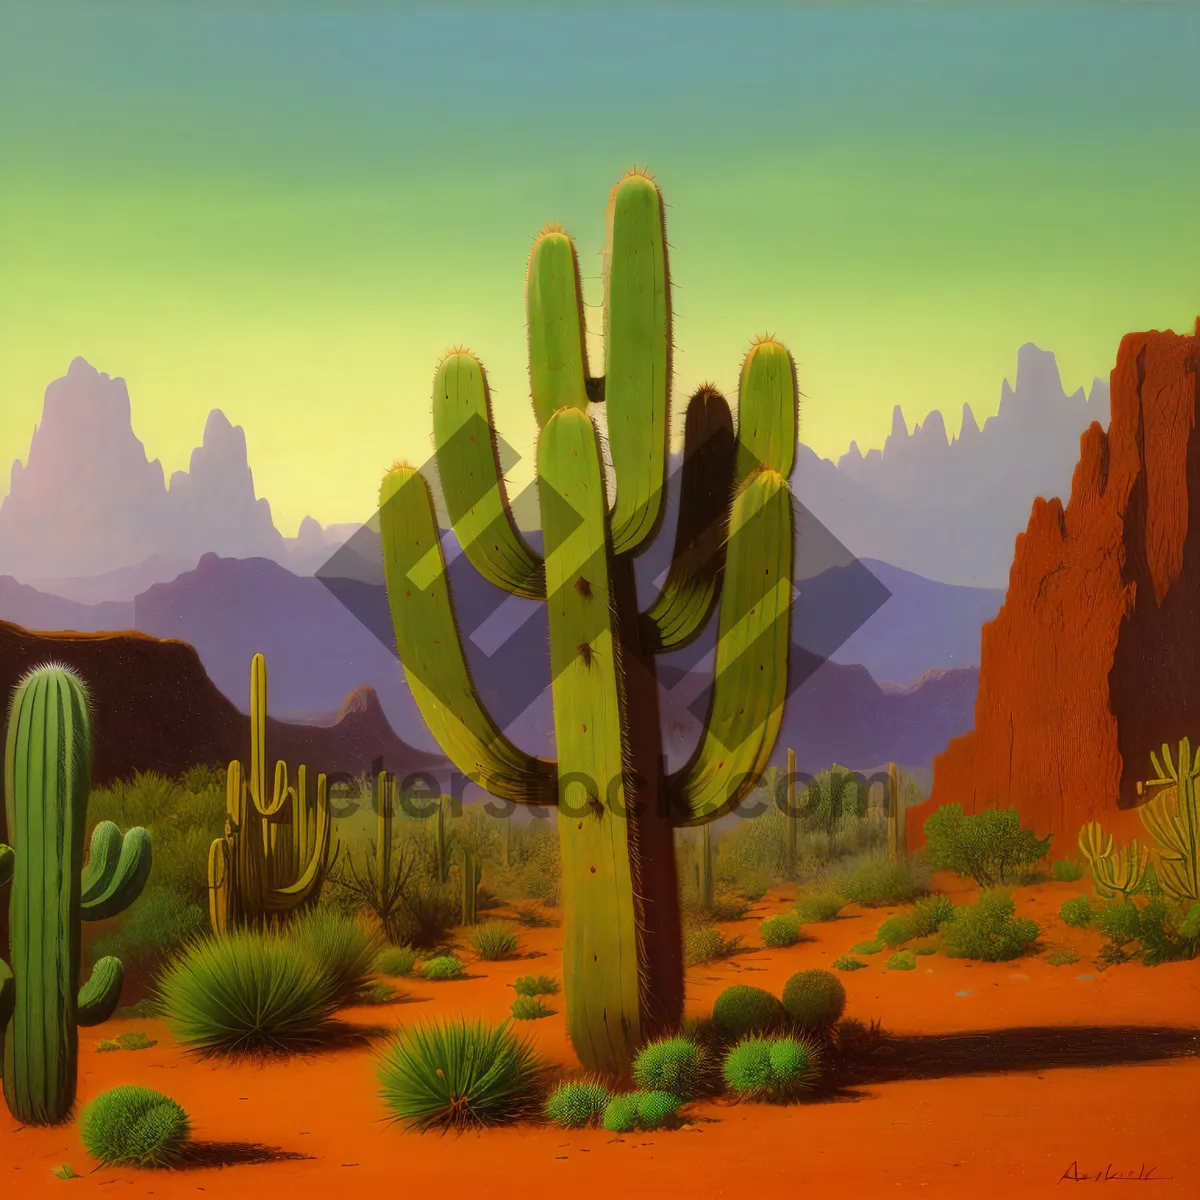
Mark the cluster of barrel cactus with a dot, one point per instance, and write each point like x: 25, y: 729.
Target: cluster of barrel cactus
x: 47, y: 777
x: 617, y: 804
x: 274, y: 854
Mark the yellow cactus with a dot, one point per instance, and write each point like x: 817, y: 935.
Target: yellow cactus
x: 1116, y: 874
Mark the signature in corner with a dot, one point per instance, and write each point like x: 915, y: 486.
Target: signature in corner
x: 1143, y: 1175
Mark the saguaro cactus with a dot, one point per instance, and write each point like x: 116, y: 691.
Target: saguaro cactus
x: 897, y: 831
x: 707, y: 888
x: 472, y: 877
x: 792, y: 815
x: 47, y: 772
x: 1170, y: 817
x: 1117, y: 872
x: 616, y: 803
x: 274, y: 853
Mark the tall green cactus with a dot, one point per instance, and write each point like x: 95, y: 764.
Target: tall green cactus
x: 472, y: 877
x: 792, y: 815
x: 707, y: 888
x: 274, y: 854
x: 47, y: 773
x: 1170, y: 817
x: 617, y: 804
x: 897, y: 829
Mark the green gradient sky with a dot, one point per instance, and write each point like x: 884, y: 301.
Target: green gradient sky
x: 288, y: 212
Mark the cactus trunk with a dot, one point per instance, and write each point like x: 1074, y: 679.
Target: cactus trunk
x: 897, y: 827
x: 707, y: 894
x: 792, y: 816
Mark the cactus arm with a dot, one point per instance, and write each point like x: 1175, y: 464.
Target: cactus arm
x: 637, y: 352
x: 750, y: 670
x: 284, y: 899
x: 427, y: 640
x: 126, y: 882
x: 104, y: 856
x: 99, y: 997
x: 600, y: 935
x: 7, y: 862
x: 472, y: 478
x: 220, y: 883
x: 557, y: 337
x: 767, y: 403
x: 47, y: 769
x: 682, y: 609
x: 6, y: 1001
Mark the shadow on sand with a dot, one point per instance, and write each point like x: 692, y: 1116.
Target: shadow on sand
x: 1002, y: 1051
x: 201, y: 1156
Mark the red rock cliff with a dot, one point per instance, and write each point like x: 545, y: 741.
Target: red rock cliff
x: 1094, y: 659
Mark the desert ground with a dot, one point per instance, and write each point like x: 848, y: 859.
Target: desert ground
x: 1077, y: 1075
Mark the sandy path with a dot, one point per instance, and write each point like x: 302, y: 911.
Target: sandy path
x: 954, y: 1134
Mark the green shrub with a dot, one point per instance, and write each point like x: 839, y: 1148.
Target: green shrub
x: 442, y: 968
x: 780, y: 931
x: 822, y: 906
x: 815, y: 1000
x: 740, y: 1010
x: 126, y: 1041
x: 1060, y: 956
x: 134, y: 1127
x: 1066, y: 871
x: 674, y: 1065
x: 1166, y: 934
x: 492, y: 941
x: 871, y: 947
x: 930, y: 914
x: 845, y: 963
x: 759, y: 1068
x: 989, y: 846
x: 245, y: 993
x: 577, y: 1105
x: 530, y: 1008
x: 378, y: 993
x: 338, y: 949
x: 1076, y: 912
x: 988, y: 931
x: 536, y: 985
x: 396, y: 961
x: 729, y: 907
x: 63, y: 1172
x: 921, y: 949
x: 707, y: 945
x: 621, y: 1114
x: 876, y: 882
x: 158, y: 923
x: 904, y: 960
x: 895, y: 931
x: 460, y: 1074
x: 655, y: 1109
x: 1120, y: 922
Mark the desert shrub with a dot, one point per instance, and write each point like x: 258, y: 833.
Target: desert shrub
x: 539, y: 876
x: 396, y: 961
x: 815, y: 1000
x: 1066, y: 870
x: 930, y: 914
x: 338, y: 949
x: 621, y: 1113
x: 834, y: 798
x: 459, y: 1074
x: 728, y: 906
x: 1120, y: 922
x: 903, y: 960
x: 823, y: 906
x: 871, y: 947
x: 989, y: 846
x: 530, y: 1008
x: 134, y: 1127
x: 536, y: 985
x: 674, y: 1065
x: 740, y: 1010
x: 707, y: 944
x: 875, y: 881
x: 1060, y: 956
x: 378, y: 993
x: 753, y: 854
x: 492, y: 941
x: 783, y: 930
x: 759, y: 1068
x: 895, y: 931
x: 988, y: 931
x: 845, y: 963
x: 158, y: 923
x: 133, y: 1040
x: 1166, y: 933
x: 443, y: 967
x: 577, y: 1105
x: 245, y: 994
x: 1076, y: 912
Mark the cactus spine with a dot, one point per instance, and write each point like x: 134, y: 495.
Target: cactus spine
x: 897, y: 831
x: 617, y: 804
x: 274, y: 853
x: 792, y: 816
x: 47, y: 772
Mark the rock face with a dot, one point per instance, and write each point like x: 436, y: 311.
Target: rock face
x: 1094, y: 659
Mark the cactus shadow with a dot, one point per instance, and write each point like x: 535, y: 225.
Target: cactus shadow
x: 202, y: 1156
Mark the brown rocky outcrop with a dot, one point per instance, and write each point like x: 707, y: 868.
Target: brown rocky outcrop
x: 1094, y: 659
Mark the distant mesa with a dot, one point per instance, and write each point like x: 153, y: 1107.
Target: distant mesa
x: 1093, y: 661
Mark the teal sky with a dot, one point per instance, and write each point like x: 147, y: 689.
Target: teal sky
x: 290, y: 210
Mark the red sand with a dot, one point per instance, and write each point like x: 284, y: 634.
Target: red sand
x: 998, y: 1135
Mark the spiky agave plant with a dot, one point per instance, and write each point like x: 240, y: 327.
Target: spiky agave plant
x: 617, y: 805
